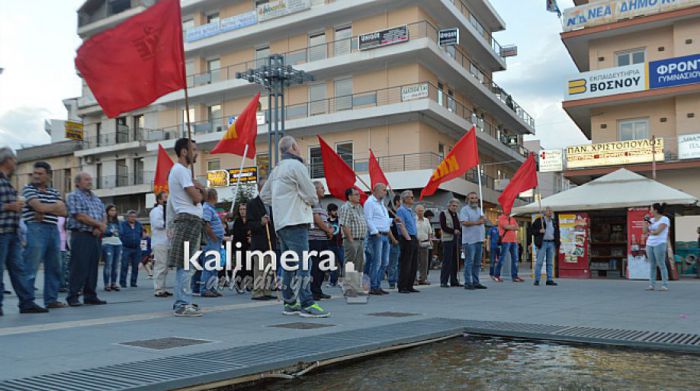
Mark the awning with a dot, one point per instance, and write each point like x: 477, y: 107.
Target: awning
x: 619, y: 189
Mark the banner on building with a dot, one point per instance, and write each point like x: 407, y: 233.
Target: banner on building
x: 278, y: 8
x: 689, y: 146
x: 551, y: 160
x: 610, y: 81
x: 226, y: 178
x: 418, y: 91
x: 227, y: 24
x: 602, y: 12
x: 448, y: 37
x: 614, y: 153
x: 383, y: 38
x: 676, y: 71
x: 74, y: 130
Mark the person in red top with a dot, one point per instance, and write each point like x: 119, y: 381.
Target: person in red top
x: 508, y: 231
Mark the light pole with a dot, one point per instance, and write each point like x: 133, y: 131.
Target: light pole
x: 274, y: 77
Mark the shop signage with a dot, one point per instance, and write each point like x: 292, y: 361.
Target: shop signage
x: 228, y: 24
x: 689, y: 146
x: 604, y: 82
x: 383, y: 38
x: 637, y: 262
x: 278, y: 8
x: 74, y: 130
x: 226, y: 178
x: 217, y: 178
x: 551, y: 160
x: 674, y: 71
x: 602, y: 12
x: 613, y: 153
x: 448, y: 37
x: 414, y: 92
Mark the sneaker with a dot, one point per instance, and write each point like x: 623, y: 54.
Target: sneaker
x: 209, y: 294
x: 551, y: 283
x: 536, y: 283
x: 314, y: 311
x: 650, y: 288
x: 187, y: 311
x: 664, y: 289
x: 291, y: 309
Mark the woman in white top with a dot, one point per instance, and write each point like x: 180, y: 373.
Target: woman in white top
x: 424, y: 235
x: 657, y: 227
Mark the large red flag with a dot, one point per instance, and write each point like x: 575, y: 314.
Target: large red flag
x: 242, y: 132
x: 131, y: 65
x: 524, y: 179
x: 462, y: 157
x: 339, y: 176
x: 376, y: 175
x: 163, y: 166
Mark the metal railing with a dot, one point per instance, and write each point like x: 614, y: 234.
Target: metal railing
x: 422, y: 29
x: 125, y: 135
x: 356, y: 101
x: 131, y: 179
x: 109, y: 8
x: 474, y: 21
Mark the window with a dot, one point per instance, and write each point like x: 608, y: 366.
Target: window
x: 315, y: 163
x: 441, y: 99
x: 213, y: 164
x: 187, y: 24
x: 633, y: 129
x: 441, y: 150
x: 122, y: 173
x: 122, y: 135
x: 213, y: 18
x: 451, y: 103
x: 317, y: 47
x: 214, y: 69
x: 344, y: 150
x: 214, y: 117
x: 184, y: 119
x: 100, y: 180
x: 343, y: 94
x: 261, y: 55
x: 98, y: 134
x: 138, y: 171
x: 317, y: 99
x: 628, y: 57
x: 451, y: 51
x: 139, y: 124
x: 476, y: 72
x: 263, y: 162
x: 343, y: 41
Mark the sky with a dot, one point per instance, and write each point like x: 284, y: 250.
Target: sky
x: 38, y: 41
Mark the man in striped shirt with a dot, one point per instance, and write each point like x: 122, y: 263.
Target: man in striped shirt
x: 40, y: 214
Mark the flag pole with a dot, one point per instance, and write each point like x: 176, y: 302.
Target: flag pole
x: 481, y: 196
x: 238, y: 182
x: 189, y: 130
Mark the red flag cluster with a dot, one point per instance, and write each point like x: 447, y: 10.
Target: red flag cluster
x: 163, y: 166
x: 241, y: 133
x: 339, y: 176
x: 464, y: 156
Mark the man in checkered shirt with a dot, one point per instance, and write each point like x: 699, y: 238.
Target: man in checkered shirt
x: 10, y: 254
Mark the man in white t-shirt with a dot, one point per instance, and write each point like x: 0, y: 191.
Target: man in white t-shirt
x: 186, y: 203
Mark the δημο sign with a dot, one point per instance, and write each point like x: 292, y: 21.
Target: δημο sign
x: 614, y: 153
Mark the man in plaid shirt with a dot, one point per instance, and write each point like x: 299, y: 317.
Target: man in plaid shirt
x: 354, y: 226
x: 10, y: 257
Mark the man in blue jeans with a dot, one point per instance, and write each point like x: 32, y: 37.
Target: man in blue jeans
x: 10, y: 257
x: 215, y: 236
x: 41, y: 211
x: 508, y: 230
x: 378, y: 226
x: 291, y: 193
x: 494, y: 249
x: 130, y: 233
x: 546, y: 232
x: 472, y: 219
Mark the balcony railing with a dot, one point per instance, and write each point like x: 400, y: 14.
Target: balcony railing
x: 125, y: 135
x: 124, y: 180
x: 102, y: 9
x: 422, y: 29
x: 356, y: 101
x: 474, y: 21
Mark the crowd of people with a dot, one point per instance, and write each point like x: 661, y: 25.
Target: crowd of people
x: 387, y: 238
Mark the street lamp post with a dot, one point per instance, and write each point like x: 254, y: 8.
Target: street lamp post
x: 274, y: 77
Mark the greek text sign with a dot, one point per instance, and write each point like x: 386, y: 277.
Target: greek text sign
x: 383, y: 38
x: 279, y: 8
x: 604, y: 82
x: 414, y: 92
x: 689, y: 146
x: 614, y: 153
x: 602, y: 12
x: 551, y: 160
x: 674, y: 71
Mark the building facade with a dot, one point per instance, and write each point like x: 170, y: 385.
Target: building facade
x: 639, y: 80
x: 381, y: 81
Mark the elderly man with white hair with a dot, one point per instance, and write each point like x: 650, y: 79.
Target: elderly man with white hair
x: 424, y: 234
x: 409, y: 244
x: 451, y: 240
x: 378, y: 226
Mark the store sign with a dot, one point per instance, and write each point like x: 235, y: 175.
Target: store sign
x: 689, y: 146
x: 74, y: 130
x: 604, y: 82
x: 674, y: 71
x: 602, y: 12
x: 414, y: 92
x: 551, y: 160
x: 448, y: 37
x: 259, y: 117
x: 224, y: 25
x: 217, y: 178
x: 383, y: 38
x: 278, y: 8
x: 614, y: 153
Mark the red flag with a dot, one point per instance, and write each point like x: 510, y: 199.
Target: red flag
x: 242, y: 132
x: 376, y: 175
x: 461, y: 158
x: 339, y: 176
x: 131, y: 65
x: 163, y: 166
x: 524, y: 179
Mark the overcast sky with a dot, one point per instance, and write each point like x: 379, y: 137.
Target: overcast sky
x: 38, y: 41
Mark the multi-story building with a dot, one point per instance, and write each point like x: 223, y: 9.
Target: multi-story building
x: 640, y: 79
x: 397, y: 91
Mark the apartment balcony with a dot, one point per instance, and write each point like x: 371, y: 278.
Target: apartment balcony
x: 125, y: 184
x: 343, y: 56
x: 124, y: 139
x: 414, y: 102
x: 98, y: 15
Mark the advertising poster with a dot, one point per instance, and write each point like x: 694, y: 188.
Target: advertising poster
x: 637, y: 262
x: 610, y: 81
x: 674, y: 71
x: 687, y: 245
x: 573, y: 252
